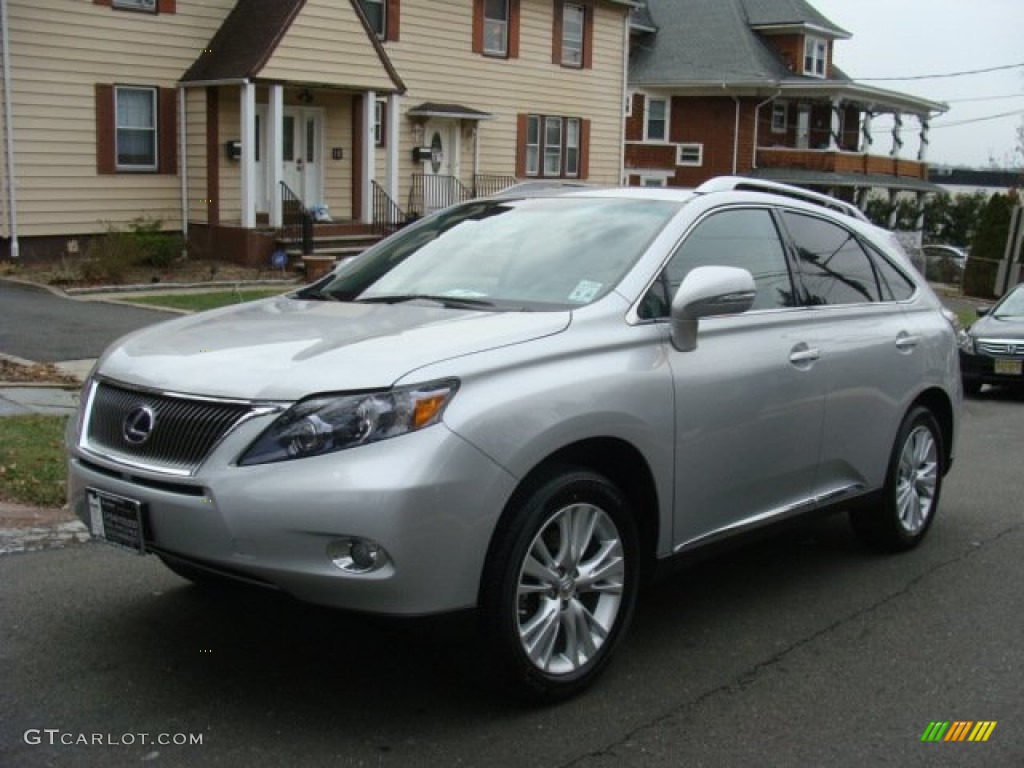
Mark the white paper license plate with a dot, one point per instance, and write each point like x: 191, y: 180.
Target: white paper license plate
x: 1008, y: 367
x: 116, y: 519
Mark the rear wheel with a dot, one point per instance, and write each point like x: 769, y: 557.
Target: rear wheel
x: 910, y: 498
x: 560, y: 584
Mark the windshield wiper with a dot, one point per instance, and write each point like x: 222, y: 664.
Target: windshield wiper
x: 317, y: 294
x: 454, y: 302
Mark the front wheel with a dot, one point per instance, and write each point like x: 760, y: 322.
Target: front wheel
x: 560, y: 584
x: 910, y: 498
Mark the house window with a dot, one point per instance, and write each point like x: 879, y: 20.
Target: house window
x: 780, y: 112
x: 376, y: 14
x: 379, y: 122
x: 143, y: 6
x: 572, y: 147
x: 552, y: 147
x: 815, y: 56
x: 690, y: 154
x: 573, y: 19
x: 652, y: 181
x: 383, y: 16
x: 496, y: 27
x: 136, y: 129
x: 656, y: 124
x: 134, y: 5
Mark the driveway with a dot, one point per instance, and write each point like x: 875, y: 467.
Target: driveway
x: 39, y: 325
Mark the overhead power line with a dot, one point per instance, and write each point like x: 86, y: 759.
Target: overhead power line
x: 948, y: 74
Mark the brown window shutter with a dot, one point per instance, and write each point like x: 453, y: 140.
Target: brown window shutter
x: 584, y: 149
x: 588, y: 36
x: 167, y: 115
x: 478, y: 26
x: 522, y: 121
x: 394, y: 20
x: 556, y: 33
x: 105, y: 129
x: 513, y: 29
x: 101, y: 2
x: 166, y: 6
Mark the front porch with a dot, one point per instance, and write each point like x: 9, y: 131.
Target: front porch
x: 838, y: 161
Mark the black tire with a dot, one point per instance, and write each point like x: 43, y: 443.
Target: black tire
x: 972, y: 387
x: 901, y: 517
x: 548, y: 605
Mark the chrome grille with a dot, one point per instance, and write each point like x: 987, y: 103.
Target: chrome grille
x: 1000, y: 348
x: 183, y: 430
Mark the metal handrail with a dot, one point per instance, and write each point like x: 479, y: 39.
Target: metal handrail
x: 487, y: 184
x: 387, y: 216
x: 296, y: 220
x: 431, y: 192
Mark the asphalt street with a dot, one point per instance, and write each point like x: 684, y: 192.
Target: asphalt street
x: 801, y: 650
x: 41, y: 326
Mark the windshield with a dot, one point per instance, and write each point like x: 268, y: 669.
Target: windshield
x: 1011, y: 306
x: 537, y: 253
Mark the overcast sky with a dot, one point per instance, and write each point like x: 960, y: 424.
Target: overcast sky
x: 905, y: 38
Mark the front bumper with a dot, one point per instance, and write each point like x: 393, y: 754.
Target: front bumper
x: 429, y: 498
x: 986, y: 369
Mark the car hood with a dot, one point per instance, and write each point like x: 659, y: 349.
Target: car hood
x: 992, y: 327
x: 286, y: 348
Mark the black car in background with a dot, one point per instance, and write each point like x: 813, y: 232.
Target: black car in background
x: 992, y: 349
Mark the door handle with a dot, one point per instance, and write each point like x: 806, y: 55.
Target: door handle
x: 907, y: 342
x: 804, y: 355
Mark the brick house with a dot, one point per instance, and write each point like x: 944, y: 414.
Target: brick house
x: 750, y: 87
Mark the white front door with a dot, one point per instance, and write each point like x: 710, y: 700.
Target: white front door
x: 439, y: 190
x: 803, y: 127
x: 302, y: 153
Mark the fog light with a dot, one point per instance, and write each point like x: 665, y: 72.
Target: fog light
x: 357, y: 555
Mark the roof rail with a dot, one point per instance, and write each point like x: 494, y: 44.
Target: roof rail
x: 743, y: 184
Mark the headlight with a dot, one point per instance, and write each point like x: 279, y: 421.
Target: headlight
x: 335, y: 422
x: 966, y: 341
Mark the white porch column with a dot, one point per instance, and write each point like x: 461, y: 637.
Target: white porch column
x: 275, y: 152
x: 836, y: 129
x: 247, y: 180
x: 897, y: 138
x: 392, y: 140
x: 922, y: 151
x: 867, y: 139
x: 369, y: 152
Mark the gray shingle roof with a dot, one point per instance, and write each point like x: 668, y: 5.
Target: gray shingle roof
x: 711, y: 41
x: 787, y: 12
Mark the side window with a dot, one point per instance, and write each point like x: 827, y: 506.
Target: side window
x: 745, y: 238
x: 835, y: 268
x: 895, y: 285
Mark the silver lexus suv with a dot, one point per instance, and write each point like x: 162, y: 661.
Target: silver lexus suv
x: 526, y: 405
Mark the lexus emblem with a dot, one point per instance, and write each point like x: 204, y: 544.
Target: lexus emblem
x: 138, y: 425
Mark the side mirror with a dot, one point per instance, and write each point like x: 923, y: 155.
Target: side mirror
x: 705, y: 292
x: 982, y: 311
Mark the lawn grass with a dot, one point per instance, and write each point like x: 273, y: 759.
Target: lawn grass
x: 197, y: 302
x: 32, y: 464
